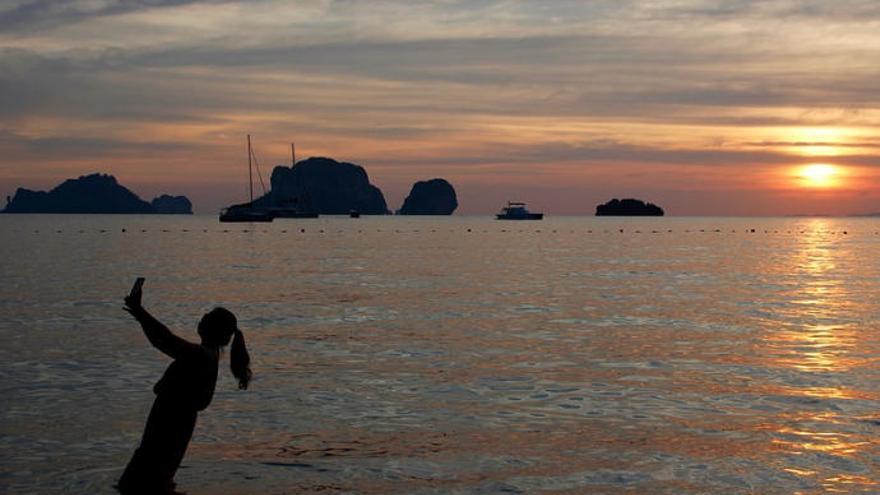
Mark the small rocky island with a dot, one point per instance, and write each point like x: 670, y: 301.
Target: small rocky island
x: 324, y: 186
x: 172, y: 205
x: 628, y: 208
x: 432, y: 197
x: 95, y: 193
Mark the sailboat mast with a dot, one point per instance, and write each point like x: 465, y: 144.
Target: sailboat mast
x: 292, y: 154
x: 250, y: 170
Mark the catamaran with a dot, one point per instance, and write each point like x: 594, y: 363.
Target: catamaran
x: 300, y: 207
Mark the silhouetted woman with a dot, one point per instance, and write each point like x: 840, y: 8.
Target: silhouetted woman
x: 185, y: 389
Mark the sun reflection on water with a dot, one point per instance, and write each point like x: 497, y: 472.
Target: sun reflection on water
x: 816, y: 335
x: 813, y: 336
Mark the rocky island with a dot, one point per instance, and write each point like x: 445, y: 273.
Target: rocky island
x: 628, y: 208
x: 172, y: 205
x: 432, y: 197
x: 325, y: 186
x: 95, y: 193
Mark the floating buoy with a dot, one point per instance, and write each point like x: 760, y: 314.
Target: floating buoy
x: 468, y: 230
x: 302, y: 230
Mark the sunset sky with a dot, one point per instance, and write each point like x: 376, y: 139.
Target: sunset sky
x: 734, y: 107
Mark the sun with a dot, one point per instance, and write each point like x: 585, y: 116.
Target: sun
x: 819, y: 175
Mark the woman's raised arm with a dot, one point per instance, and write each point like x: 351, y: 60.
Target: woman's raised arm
x: 158, y: 334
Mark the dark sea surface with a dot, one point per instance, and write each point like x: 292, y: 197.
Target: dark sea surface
x: 434, y: 355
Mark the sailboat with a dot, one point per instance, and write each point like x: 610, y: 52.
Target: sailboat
x: 246, y: 212
x: 294, y: 207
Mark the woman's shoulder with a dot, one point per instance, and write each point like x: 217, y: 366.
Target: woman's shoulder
x: 192, y: 352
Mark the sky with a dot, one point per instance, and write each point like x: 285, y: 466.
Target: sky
x: 703, y: 107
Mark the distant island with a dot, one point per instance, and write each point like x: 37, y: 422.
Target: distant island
x: 628, y: 208
x: 432, y: 197
x: 95, y: 193
x: 324, y: 186
x: 172, y: 205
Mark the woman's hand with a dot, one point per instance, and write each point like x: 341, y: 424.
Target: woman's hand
x: 133, y: 300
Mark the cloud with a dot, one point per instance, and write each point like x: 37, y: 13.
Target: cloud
x: 821, y: 144
x: 34, y: 15
x: 50, y: 148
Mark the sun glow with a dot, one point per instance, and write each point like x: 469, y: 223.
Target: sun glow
x: 819, y: 175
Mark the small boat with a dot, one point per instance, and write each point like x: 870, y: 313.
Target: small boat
x: 246, y: 212
x: 285, y: 213
x: 517, y: 211
x: 292, y: 209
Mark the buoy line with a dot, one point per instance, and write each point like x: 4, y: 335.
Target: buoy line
x: 126, y: 230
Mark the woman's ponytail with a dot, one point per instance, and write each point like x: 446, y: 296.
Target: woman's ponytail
x: 239, y: 360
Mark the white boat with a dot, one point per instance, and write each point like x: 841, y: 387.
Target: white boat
x: 517, y: 211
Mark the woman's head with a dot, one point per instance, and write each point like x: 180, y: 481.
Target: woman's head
x: 217, y: 327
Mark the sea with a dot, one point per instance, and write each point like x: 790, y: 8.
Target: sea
x: 454, y: 355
